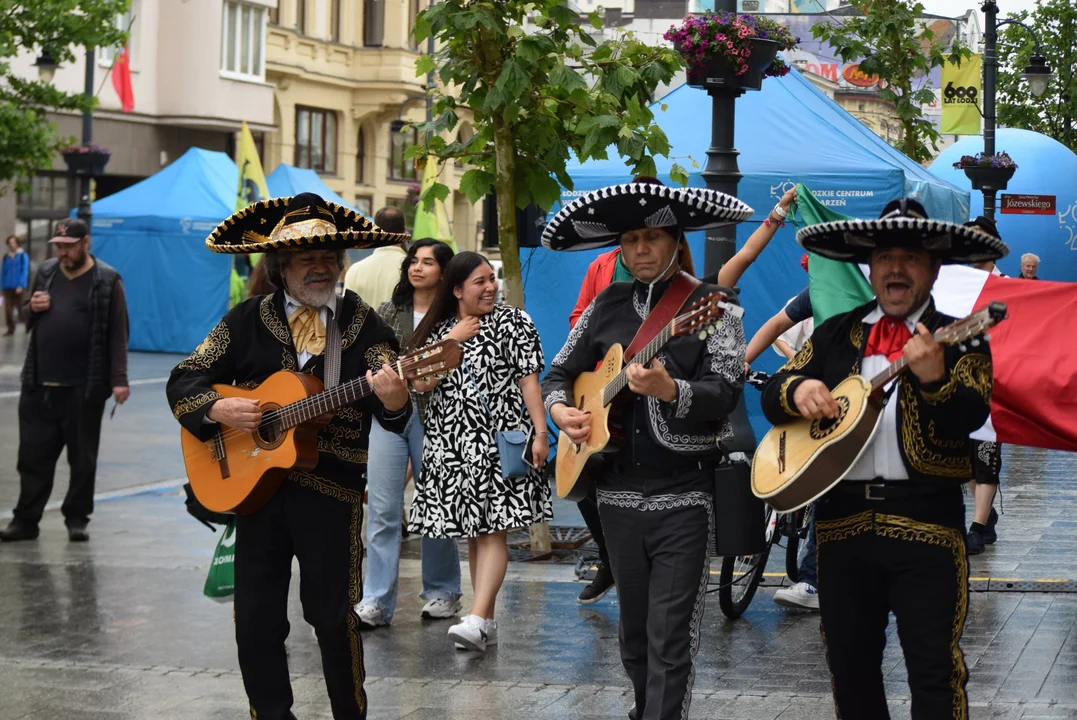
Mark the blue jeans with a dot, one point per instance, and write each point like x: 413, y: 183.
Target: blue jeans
x: 387, y: 469
x: 807, y: 560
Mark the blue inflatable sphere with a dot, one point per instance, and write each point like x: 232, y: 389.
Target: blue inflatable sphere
x: 1045, y: 167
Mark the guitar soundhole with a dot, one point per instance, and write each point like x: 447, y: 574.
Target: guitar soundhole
x: 823, y: 427
x: 271, y: 433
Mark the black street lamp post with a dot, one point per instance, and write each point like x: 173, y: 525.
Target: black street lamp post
x: 1037, y: 74
x: 85, y: 212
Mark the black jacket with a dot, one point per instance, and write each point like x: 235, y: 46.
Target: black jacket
x: 252, y: 342
x: 934, y: 420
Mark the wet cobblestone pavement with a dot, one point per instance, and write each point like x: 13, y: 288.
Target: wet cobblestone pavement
x: 118, y: 629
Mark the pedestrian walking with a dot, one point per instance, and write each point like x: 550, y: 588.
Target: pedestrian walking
x: 374, y: 277
x: 463, y: 490
x: 76, y: 359
x: 14, y: 278
x: 387, y: 469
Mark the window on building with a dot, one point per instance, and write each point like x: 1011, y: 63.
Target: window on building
x: 400, y: 167
x: 334, y: 20
x: 413, y: 14
x: 274, y: 14
x: 243, y: 41
x: 316, y: 140
x: 49, y: 200
x: 406, y: 207
x: 365, y: 205
x: 301, y: 16
x: 373, y: 22
x: 360, y: 158
x: 105, y: 55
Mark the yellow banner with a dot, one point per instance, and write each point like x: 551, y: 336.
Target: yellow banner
x: 961, y: 91
x: 433, y: 223
x: 252, y: 181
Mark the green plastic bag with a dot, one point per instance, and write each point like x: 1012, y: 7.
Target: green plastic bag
x: 221, y: 581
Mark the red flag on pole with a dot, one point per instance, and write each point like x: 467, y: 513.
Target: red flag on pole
x: 121, y: 80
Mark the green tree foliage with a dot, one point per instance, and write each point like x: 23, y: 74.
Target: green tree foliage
x: 1054, y: 114
x: 898, y: 47
x: 536, y: 94
x: 62, y: 28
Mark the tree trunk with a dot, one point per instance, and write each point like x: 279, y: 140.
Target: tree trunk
x: 505, y: 192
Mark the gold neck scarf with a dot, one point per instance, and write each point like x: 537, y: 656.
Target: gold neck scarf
x: 308, y: 330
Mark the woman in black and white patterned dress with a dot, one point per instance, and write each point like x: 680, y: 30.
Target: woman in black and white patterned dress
x: 461, y: 491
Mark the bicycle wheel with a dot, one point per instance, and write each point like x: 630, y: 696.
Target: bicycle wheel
x: 738, y: 581
x: 793, y: 522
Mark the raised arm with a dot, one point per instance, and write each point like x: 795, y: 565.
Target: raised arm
x: 731, y: 272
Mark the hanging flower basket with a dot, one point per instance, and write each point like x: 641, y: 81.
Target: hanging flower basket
x: 89, y: 160
x: 726, y: 50
x: 987, y: 172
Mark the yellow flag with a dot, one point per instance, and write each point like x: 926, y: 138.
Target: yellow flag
x: 961, y: 91
x: 433, y: 223
x: 252, y: 181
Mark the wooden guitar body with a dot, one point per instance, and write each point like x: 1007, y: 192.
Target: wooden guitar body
x: 237, y: 471
x: 587, y: 394
x: 799, y: 461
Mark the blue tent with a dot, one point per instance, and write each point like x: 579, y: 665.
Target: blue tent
x: 1046, y: 168
x: 287, y: 181
x: 786, y: 133
x: 154, y: 233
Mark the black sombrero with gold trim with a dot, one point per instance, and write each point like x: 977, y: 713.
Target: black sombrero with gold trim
x: 600, y: 218
x: 903, y: 223
x: 303, y: 222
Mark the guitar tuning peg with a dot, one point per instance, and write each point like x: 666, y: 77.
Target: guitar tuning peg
x: 975, y: 342
x: 963, y: 347
x: 703, y: 334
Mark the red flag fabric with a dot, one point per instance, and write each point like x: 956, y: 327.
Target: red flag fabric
x: 121, y: 80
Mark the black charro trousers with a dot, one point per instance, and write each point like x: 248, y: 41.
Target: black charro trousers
x: 324, y: 534
x: 905, y: 556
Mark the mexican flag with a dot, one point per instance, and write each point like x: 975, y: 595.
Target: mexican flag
x: 1033, y: 350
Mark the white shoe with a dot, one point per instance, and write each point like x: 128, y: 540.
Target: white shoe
x: 370, y: 616
x: 471, y: 634
x: 491, y: 635
x: 440, y: 608
x: 801, y: 596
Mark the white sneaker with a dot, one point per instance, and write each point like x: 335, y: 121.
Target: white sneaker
x: 471, y: 634
x: 370, y: 616
x: 491, y: 635
x: 440, y: 608
x: 801, y: 596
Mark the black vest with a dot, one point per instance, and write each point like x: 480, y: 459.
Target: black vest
x: 97, y: 369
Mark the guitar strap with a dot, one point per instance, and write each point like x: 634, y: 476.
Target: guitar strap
x: 682, y: 286
x: 332, y: 346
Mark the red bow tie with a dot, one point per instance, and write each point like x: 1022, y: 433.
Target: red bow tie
x: 888, y: 337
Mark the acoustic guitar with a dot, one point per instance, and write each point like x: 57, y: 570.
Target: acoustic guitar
x: 593, y: 392
x: 798, y: 462
x: 237, y: 471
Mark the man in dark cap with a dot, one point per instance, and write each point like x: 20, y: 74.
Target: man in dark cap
x: 76, y: 359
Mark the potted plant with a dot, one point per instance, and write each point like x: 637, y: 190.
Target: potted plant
x: 727, y: 50
x: 987, y: 172
x: 86, y: 159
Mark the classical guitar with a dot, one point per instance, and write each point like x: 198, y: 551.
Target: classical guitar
x: 594, y: 391
x: 801, y: 460
x: 237, y: 471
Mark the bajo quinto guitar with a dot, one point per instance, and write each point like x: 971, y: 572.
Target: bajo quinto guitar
x: 799, y: 461
x: 237, y: 471
x: 594, y: 391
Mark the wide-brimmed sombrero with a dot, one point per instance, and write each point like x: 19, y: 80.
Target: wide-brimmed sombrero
x: 600, y: 218
x: 303, y: 222
x: 903, y: 223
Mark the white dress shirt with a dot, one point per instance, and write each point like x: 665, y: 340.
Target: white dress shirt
x: 291, y: 307
x: 882, y: 457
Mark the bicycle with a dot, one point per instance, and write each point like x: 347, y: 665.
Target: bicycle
x: 740, y: 576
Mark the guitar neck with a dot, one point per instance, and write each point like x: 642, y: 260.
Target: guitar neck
x: 892, y: 371
x: 644, y: 356
x: 327, y: 401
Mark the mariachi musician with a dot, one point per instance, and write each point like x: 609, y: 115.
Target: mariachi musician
x: 314, y: 516
x: 655, y: 493
x: 891, y: 534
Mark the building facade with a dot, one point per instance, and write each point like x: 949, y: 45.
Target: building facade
x: 345, y: 82
x: 183, y: 99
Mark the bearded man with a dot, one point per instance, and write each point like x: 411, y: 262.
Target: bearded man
x: 314, y: 516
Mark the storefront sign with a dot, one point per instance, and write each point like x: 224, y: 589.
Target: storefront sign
x: 1028, y: 204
